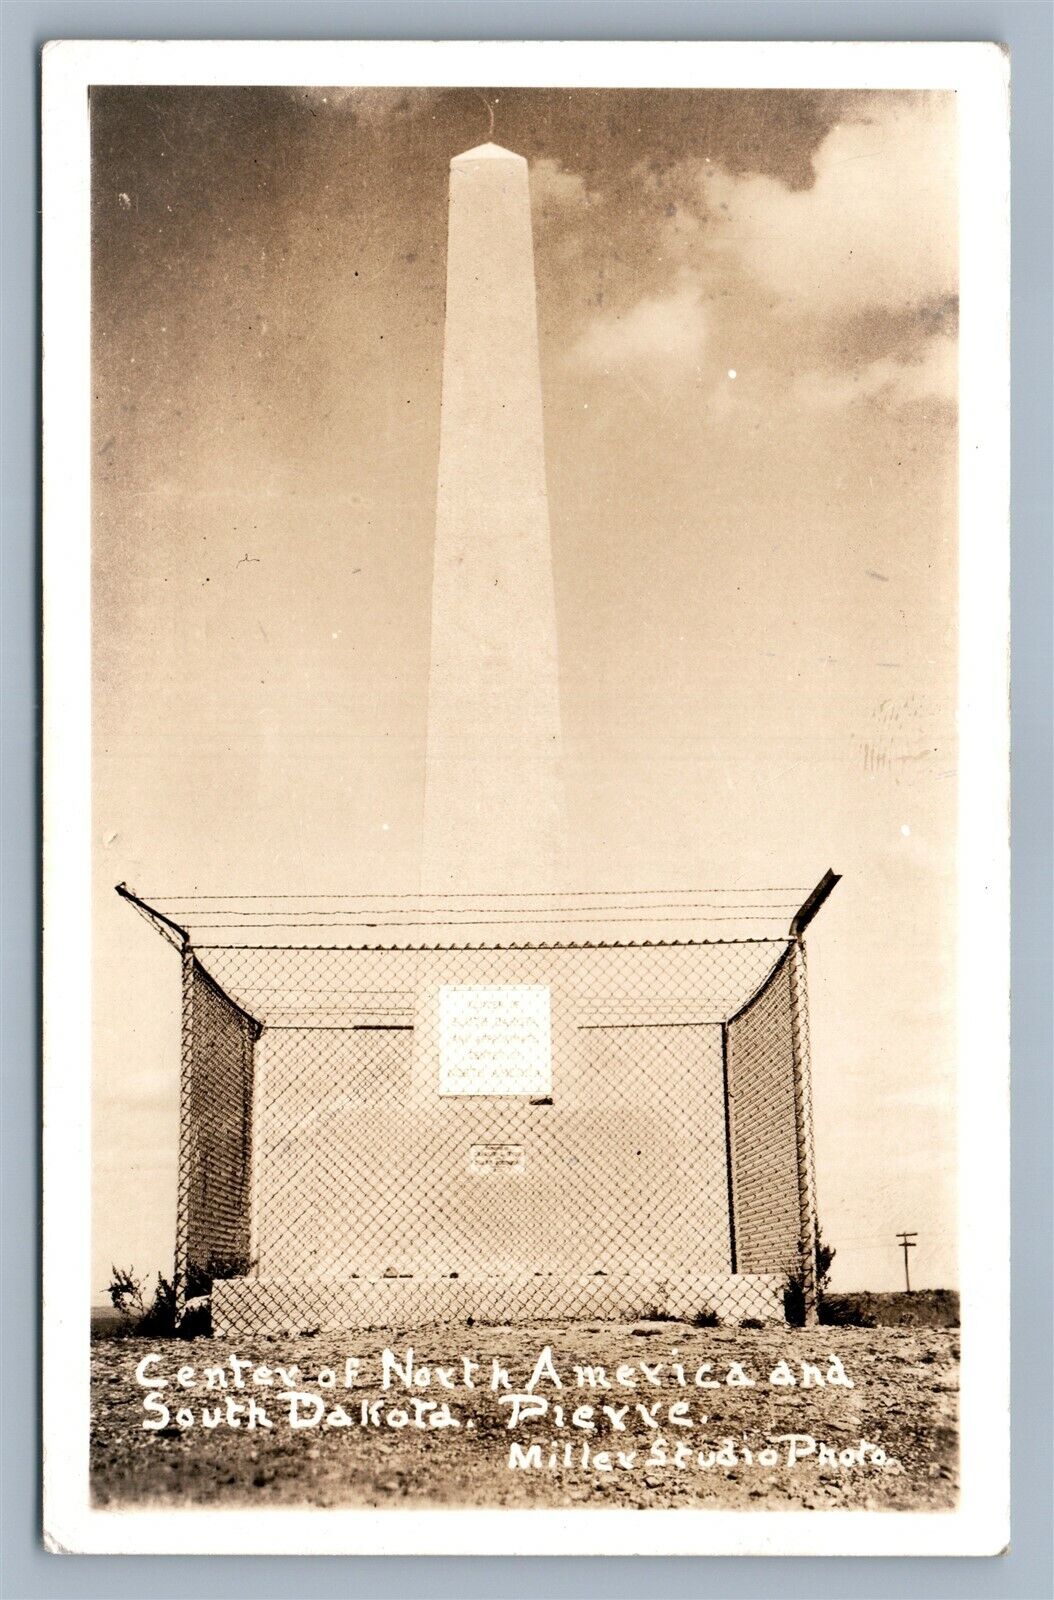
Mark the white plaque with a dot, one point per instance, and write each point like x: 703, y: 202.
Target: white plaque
x: 494, y: 1039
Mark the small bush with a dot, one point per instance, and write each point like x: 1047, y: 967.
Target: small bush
x: 127, y: 1293
x: 794, y: 1291
x: 196, y: 1321
x: 706, y: 1319
x: 656, y: 1314
x: 158, y: 1316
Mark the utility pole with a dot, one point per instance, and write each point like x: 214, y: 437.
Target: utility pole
x: 907, y: 1242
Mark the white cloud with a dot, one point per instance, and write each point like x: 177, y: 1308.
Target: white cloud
x: 669, y: 328
x: 932, y: 375
x: 375, y: 106
x: 552, y: 187
x: 876, y: 232
x: 878, y: 227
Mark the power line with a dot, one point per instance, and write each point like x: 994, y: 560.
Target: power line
x: 500, y: 894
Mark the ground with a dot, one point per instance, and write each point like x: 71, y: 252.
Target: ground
x: 903, y: 1401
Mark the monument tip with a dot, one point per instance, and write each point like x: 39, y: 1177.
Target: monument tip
x: 486, y: 152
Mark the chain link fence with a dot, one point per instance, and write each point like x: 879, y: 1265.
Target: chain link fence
x: 378, y: 1135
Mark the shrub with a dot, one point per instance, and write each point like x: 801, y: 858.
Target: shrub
x: 159, y: 1316
x: 706, y: 1319
x: 794, y: 1291
x: 127, y: 1293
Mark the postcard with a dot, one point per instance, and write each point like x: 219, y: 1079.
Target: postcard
x: 526, y: 769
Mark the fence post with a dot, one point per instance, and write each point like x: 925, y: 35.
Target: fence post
x: 807, y: 1233
x: 730, y: 1159
x: 186, y: 1133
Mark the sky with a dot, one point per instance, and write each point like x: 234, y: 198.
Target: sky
x: 747, y: 318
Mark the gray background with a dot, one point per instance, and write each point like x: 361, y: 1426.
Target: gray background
x: 1026, y: 26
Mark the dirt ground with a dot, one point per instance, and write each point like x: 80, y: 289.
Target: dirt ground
x: 383, y: 1447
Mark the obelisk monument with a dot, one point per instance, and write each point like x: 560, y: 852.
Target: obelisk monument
x: 493, y: 814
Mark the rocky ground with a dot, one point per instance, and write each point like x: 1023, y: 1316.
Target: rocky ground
x: 888, y: 1442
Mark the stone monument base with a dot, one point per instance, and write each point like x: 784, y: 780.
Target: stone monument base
x: 244, y: 1308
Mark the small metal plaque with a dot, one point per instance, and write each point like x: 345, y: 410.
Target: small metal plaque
x: 496, y: 1158
x: 494, y: 1039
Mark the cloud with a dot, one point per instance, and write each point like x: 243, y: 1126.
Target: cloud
x: 932, y: 374
x: 552, y: 188
x: 878, y: 227
x: 375, y: 107
x: 670, y: 329
x: 839, y: 294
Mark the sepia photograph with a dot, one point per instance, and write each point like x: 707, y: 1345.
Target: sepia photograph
x: 527, y: 748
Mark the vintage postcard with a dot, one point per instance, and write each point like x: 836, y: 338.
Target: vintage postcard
x: 526, y: 616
